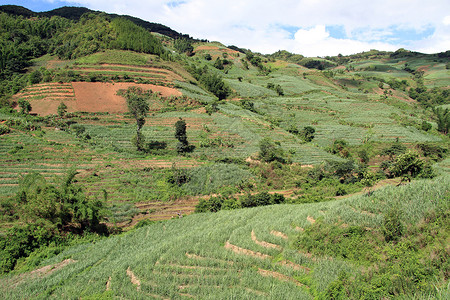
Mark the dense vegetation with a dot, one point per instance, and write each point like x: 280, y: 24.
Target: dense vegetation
x: 282, y: 157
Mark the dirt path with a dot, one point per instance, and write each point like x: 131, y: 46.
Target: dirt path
x: 134, y: 280
x: 281, y: 277
x: 264, y: 243
x: 244, y: 251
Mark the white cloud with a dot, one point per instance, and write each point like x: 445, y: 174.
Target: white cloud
x: 255, y: 24
x: 446, y: 20
x: 311, y: 36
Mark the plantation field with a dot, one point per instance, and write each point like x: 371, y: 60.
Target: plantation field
x: 249, y: 253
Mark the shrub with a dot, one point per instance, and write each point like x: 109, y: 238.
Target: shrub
x: 307, y: 133
x: 392, y: 227
x: 4, y: 129
x: 269, y: 151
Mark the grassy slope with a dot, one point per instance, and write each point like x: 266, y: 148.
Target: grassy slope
x: 188, y: 256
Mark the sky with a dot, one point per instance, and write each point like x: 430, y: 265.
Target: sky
x: 307, y: 27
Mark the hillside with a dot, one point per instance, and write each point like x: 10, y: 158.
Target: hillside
x: 258, y: 253
x: 215, y: 130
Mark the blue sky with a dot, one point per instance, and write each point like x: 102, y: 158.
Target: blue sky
x: 308, y: 27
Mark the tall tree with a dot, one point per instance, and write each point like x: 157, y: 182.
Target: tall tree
x: 137, y: 101
x: 181, y: 136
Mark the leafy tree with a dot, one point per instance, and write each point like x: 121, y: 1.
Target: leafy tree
x: 35, y: 77
x: 395, y: 149
x: 269, y: 151
x: 180, y: 134
x: 62, y: 109
x: 443, y: 120
x: 392, y: 227
x: 25, y: 106
x: 307, y: 133
x: 408, y: 165
x: 218, y: 64
x: 215, y: 84
x: 183, y: 46
x: 138, y: 107
x: 369, y: 179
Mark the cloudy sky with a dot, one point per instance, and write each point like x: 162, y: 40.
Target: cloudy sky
x: 308, y: 27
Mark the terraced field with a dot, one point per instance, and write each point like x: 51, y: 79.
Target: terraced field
x: 145, y: 72
x: 245, y: 254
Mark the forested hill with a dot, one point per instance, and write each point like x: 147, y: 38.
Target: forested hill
x: 75, y: 13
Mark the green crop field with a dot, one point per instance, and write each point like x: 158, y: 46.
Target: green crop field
x: 244, y: 254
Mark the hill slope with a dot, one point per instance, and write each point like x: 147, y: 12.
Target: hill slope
x: 255, y: 253
x: 260, y: 130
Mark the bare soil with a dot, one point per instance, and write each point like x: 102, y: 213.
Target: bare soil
x: 86, y: 96
x: 279, y: 234
x: 134, y: 280
x: 281, y: 277
x: 102, y: 97
x: 264, y: 243
x: 244, y: 251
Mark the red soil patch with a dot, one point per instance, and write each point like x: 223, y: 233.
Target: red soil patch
x: 102, y: 97
x: 92, y: 97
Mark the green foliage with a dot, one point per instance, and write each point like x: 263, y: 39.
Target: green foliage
x: 215, y: 178
x: 133, y: 37
x: 138, y: 141
x: 218, y: 64
x: 394, y: 150
x: 269, y: 151
x: 25, y: 106
x: 62, y: 109
x: 408, y: 164
x: 277, y: 88
x: 35, y: 77
x: 47, y: 212
x: 426, y: 126
x: 307, y: 133
x: 215, y: 84
x: 443, y: 120
x: 138, y: 106
x: 392, y: 227
x: 214, y: 204
x: 4, y: 129
x: 180, y: 134
x: 183, y: 45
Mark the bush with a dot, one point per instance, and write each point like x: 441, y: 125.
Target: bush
x: 269, y: 151
x: 307, y: 133
x: 4, y: 129
x: 392, y: 227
